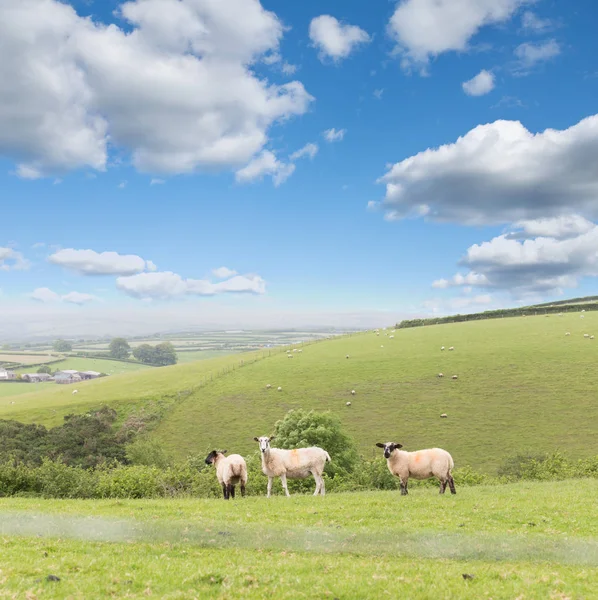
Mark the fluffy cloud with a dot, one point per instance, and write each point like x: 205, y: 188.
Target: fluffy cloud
x: 499, y: 173
x: 166, y: 284
x: 265, y: 164
x: 560, y: 228
x: 46, y: 295
x: 174, y: 86
x: 89, y: 262
x: 223, y: 272
x: 529, y: 55
x: 531, y: 22
x: 309, y: 150
x: 334, y: 135
x: 424, y: 29
x: 12, y: 260
x: 543, y: 264
x: 157, y: 181
x: 479, y: 85
x: 333, y: 39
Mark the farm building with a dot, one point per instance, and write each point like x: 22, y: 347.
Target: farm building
x: 67, y: 377
x: 6, y: 375
x: 36, y: 377
x: 89, y: 374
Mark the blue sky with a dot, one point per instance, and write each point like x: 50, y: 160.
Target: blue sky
x: 165, y: 131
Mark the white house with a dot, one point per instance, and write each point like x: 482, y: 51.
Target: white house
x: 6, y: 375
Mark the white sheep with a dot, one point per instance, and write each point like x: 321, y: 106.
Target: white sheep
x: 443, y: 416
x: 440, y: 374
x: 294, y: 464
x: 455, y: 377
x: 289, y: 355
x: 268, y: 386
x: 452, y: 348
x: 230, y: 470
x: 347, y: 356
x: 442, y: 347
x: 300, y: 350
x: 294, y: 349
x: 75, y: 392
x: 353, y: 392
x: 382, y: 346
x: 568, y: 333
x: 591, y: 337
x: 422, y: 464
x: 279, y: 389
x: 586, y: 335
x: 348, y: 403
x: 391, y: 337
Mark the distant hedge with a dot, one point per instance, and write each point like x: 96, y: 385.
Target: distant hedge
x: 527, y: 311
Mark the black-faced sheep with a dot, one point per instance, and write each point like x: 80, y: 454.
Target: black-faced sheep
x: 230, y: 471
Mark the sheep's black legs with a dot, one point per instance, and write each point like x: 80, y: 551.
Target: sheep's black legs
x: 404, y: 489
x: 225, y: 491
x: 443, y: 486
x: 231, y: 492
x: 243, y: 490
x: 451, y: 483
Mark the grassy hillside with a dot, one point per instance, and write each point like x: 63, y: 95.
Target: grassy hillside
x: 522, y: 385
x: 49, y: 404
x: 528, y: 540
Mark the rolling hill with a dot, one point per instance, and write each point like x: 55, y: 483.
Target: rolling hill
x: 522, y: 386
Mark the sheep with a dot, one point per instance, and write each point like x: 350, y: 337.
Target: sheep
x: 294, y: 349
x: 452, y: 348
x: 230, y: 470
x: 581, y: 316
x: 289, y: 355
x: 568, y: 333
x: 353, y: 392
x: 382, y: 346
x: 268, y: 386
x: 591, y: 337
x: 443, y: 416
x: 440, y: 374
x: 294, y: 464
x: 300, y: 350
x: 347, y: 356
x: 75, y: 392
x: 279, y: 389
x: 455, y: 377
x: 422, y: 464
x: 586, y: 335
x: 391, y: 337
x: 348, y: 404
x: 442, y: 347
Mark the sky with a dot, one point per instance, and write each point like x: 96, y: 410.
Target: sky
x: 176, y: 164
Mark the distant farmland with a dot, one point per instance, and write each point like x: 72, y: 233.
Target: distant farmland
x: 26, y: 359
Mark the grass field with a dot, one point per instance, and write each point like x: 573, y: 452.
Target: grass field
x: 25, y: 359
x: 110, y: 367
x: 527, y: 540
x: 522, y: 385
x: 193, y: 355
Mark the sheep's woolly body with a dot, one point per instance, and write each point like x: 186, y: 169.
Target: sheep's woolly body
x: 231, y: 469
x: 422, y: 464
x: 295, y: 464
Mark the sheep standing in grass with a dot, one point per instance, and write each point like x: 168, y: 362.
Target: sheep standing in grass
x: 268, y: 386
x: 75, y: 392
x: 294, y: 464
x: 230, y: 470
x: 353, y: 392
x: 422, y: 464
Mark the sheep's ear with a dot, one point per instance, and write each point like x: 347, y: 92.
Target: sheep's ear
x: 271, y: 438
x: 380, y: 445
x: 398, y: 445
x: 255, y: 439
x: 223, y: 451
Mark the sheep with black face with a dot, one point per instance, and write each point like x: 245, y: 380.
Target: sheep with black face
x: 422, y: 464
x: 230, y: 471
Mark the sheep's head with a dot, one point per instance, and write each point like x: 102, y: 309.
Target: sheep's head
x: 389, y: 447
x: 264, y: 442
x: 211, y: 457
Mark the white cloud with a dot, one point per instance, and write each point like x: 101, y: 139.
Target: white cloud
x: 288, y: 69
x: 560, y: 228
x: 529, y: 55
x: 539, y: 265
x: 309, y: 150
x: 78, y: 298
x: 122, y: 185
x: 423, y: 29
x: 167, y: 284
x: 46, y: 296
x: 11, y: 260
x: 531, y: 22
x: 265, y: 164
x: 334, y: 135
x: 481, y: 84
x: 174, y: 86
x: 156, y: 181
x: 333, y: 39
x: 499, y: 173
x: 38, y: 245
x: 223, y: 272
x: 378, y: 93
x: 89, y: 262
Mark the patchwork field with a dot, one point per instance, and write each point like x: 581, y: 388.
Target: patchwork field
x: 25, y: 359
x: 527, y: 540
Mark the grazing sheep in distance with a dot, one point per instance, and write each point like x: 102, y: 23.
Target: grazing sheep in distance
x: 279, y: 389
x: 440, y: 374
x: 568, y: 333
x: 230, y: 470
x: 347, y: 356
x: 443, y: 416
x: 422, y: 464
x: 381, y: 346
x: 442, y: 347
x: 75, y: 392
x: 452, y: 348
x: 391, y: 337
x: 591, y: 337
x: 353, y: 392
x: 268, y: 386
x: 294, y: 464
x: 586, y: 335
x: 290, y: 355
x: 348, y: 403
x: 455, y: 377
x: 300, y: 350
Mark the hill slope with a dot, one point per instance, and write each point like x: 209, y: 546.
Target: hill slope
x: 523, y: 385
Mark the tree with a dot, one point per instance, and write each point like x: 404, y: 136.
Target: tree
x: 165, y: 354
x: 301, y: 429
x: 44, y: 369
x: 62, y: 346
x: 144, y: 354
x: 119, y: 348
